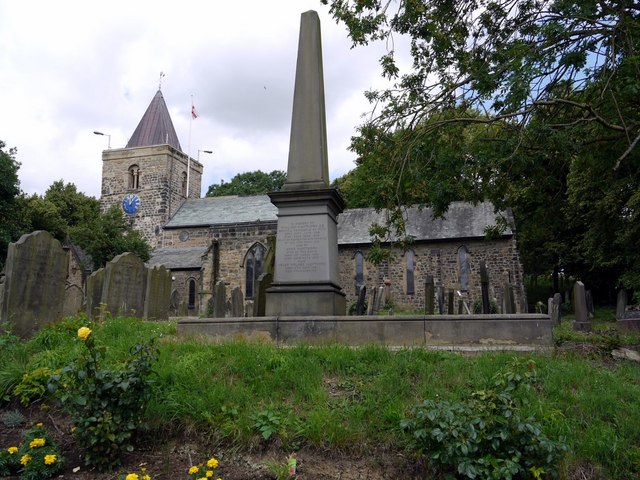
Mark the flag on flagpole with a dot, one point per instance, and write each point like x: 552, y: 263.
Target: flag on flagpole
x: 194, y: 114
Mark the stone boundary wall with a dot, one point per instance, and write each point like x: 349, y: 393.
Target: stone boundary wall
x: 508, y: 332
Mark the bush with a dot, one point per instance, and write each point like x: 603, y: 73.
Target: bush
x: 105, y: 405
x: 37, y: 457
x: 485, y: 436
x: 33, y: 385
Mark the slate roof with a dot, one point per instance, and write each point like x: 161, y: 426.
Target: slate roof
x: 155, y: 127
x: 219, y: 210
x: 462, y: 220
x: 177, y: 258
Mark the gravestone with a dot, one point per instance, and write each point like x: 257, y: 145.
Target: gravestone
x: 237, y: 303
x: 361, y: 303
x: 125, y: 283
x: 95, y: 282
x: 440, y: 295
x: 73, y: 299
x: 590, y: 307
x: 307, y: 278
x: 219, y: 300
x: 484, y: 285
x: 450, y: 303
x: 508, y: 302
x: 429, y: 294
x: 260, y: 300
x: 581, y: 322
x: 629, y: 321
x: 158, y: 293
x: 174, y: 303
x: 33, y: 290
x: 621, y: 303
x: 373, y: 302
x: 555, y: 306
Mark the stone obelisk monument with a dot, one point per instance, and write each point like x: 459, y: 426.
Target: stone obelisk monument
x: 306, y: 278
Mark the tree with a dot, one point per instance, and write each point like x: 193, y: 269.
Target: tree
x: 10, y: 226
x: 551, y: 88
x: 249, y: 183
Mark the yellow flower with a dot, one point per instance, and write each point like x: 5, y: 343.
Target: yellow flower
x: 209, y: 473
x: 212, y: 463
x: 146, y: 477
x: 50, y: 459
x: 37, y: 442
x: 25, y: 459
x: 83, y: 334
x: 73, y: 429
x: 39, y: 425
x: 193, y: 470
x: 12, y: 450
x: 131, y: 476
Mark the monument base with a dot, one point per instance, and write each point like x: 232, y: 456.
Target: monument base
x: 305, y: 299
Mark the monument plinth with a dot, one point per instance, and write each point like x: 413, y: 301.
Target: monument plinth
x: 306, y: 277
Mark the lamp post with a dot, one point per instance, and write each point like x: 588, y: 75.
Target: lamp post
x: 105, y: 135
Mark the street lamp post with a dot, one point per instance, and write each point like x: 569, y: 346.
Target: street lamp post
x: 105, y: 135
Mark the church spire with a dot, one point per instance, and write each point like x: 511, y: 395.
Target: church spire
x: 155, y: 127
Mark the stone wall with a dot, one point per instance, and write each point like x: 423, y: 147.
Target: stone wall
x: 439, y: 260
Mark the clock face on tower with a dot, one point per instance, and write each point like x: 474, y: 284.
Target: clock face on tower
x: 131, y: 204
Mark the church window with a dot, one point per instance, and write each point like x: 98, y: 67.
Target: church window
x: 463, y: 265
x: 184, y: 184
x: 359, y: 264
x: 134, y: 177
x: 411, y: 265
x: 253, y: 267
x: 192, y: 294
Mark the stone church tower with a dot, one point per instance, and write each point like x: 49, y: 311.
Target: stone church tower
x: 151, y: 177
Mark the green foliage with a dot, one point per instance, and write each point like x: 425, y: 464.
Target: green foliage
x: 12, y: 418
x: 488, y: 435
x: 33, y: 385
x: 11, y: 225
x: 249, y: 183
x: 106, y: 404
x: 37, y: 457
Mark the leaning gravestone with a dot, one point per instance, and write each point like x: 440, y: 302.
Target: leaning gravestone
x: 237, y: 303
x: 508, y: 302
x: 621, y: 303
x: 34, y: 283
x: 158, y: 293
x: 374, y: 302
x: 555, y: 304
x: 220, y: 300
x: 125, y: 283
x: 580, y: 308
x: 361, y: 303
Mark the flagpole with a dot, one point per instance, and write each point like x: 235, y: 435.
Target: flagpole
x: 189, y: 149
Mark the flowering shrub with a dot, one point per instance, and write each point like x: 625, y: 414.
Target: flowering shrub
x: 486, y: 436
x: 37, y: 457
x: 134, y: 476
x: 204, y: 471
x: 106, y: 405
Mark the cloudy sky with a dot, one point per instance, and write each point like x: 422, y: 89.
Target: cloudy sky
x: 70, y: 68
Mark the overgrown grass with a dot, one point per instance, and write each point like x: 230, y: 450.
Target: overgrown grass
x: 246, y: 395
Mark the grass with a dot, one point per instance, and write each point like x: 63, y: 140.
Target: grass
x: 337, y: 397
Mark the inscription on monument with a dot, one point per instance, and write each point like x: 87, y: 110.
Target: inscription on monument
x: 301, y: 240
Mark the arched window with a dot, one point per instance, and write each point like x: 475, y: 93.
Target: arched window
x: 359, y: 264
x: 192, y: 294
x: 463, y: 266
x: 183, y: 185
x: 134, y: 177
x: 253, y: 265
x: 411, y: 264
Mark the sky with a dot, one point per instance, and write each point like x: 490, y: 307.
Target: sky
x: 70, y: 68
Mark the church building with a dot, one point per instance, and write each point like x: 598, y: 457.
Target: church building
x: 207, y: 240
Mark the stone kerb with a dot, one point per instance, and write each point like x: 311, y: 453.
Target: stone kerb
x: 124, y: 285
x: 157, y: 294
x: 34, y: 283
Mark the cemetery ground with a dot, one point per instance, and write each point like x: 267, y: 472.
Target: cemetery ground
x: 336, y: 409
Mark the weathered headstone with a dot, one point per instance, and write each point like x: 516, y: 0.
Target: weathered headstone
x: 591, y: 311
x: 440, y: 295
x: 307, y: 278
x: 174, y: 303
x: 580, y: 308
x: 429, y: 293
x: 125, y: 283
x: 260, y: 300
x: 73, y: 299
x: 237, y: 303
x: 34, y: 282
x: 158, y: 293
x: 621, y: 303
x: 95, y: 282
x: 484, y: 285
x: 555, y: 306
x: 219, y: 300
x: 374, y: 302
x: 450, y: 303
x: 379, y: 300
x: 508, y: 302
x: 362, y: 300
